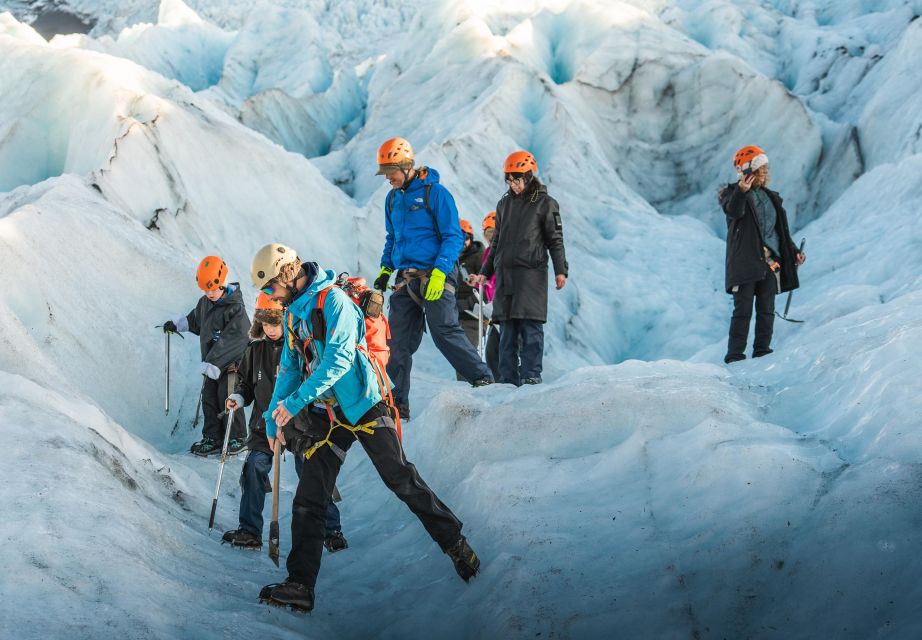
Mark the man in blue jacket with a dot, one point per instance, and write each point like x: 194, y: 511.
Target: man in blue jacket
x: 326, y: 379
x: 423, y: 242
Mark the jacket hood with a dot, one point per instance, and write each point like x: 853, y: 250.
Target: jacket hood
x: 424, y: 176
x: 324, y: 278
x: 233, y: 295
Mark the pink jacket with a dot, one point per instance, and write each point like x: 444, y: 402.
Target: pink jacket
x: 489, y: 287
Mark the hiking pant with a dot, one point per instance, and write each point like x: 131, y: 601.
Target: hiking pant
x: 254, y: 480
x: 521, y: 350
x: 318, y: 475
x: 214, y: 394
x: 409, y: 317
x: 493, y: 350
x: 764, y: 293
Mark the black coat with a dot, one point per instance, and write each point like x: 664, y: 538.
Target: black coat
x: 528, y: 227
x: 471, y: 260
x: 745, y: 261
x: 222, y: 328
x: 255, y: 384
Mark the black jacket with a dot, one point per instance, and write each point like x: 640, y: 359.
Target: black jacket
x: 255, y: 384
x: 745, y: 261
x: 470, y: 261
x: 222, y: 328
x: 528, y: 227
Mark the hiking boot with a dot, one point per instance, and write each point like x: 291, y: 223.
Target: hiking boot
x: 404, y: 411
x: 241, y: 538
x: 235, y: 446
x: 482, y: 382
x: 335, y: 542
x: 734, y: 357
x: 288, y: 594
x: 205, y: 447
x: 532, y: 380
x: 761, y: 352
x: 466, y: 562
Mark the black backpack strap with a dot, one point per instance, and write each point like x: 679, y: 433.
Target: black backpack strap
x: 435, y: 222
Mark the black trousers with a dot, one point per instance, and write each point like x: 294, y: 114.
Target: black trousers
x: 493, y: 350
x: 214, y: 395
x: 763, y: 292
x: 318, y: 475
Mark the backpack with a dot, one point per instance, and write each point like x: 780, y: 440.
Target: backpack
x: 377, y: 331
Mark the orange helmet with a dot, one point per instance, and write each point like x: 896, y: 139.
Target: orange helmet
x: 211, y: 273
x: 395, y: 153
x: 490, y: 221
x: 749, y: 158
x: 265, y: 302
x: 466, y: 227
x: 520, y: 162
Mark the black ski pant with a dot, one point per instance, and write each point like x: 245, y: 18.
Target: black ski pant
x: 318, y: 475
x: 763, y: 292
x: 521, y: 350
x: 214, y: 395
x: 493, y: 350
x: 408, y: 317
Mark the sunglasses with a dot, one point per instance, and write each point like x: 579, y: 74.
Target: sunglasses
x: 269, y: 289
x: 515, y: 177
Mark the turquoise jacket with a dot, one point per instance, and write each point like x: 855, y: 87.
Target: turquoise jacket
x: 342, y: 370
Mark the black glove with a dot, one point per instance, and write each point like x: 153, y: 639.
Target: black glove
x: 169, y: 327
x: 383, y: 277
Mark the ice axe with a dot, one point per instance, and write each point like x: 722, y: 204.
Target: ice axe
x: 274, y: 525
x: 166, y: 367
x: 787, y: 305
x: 480, y: 320
x: 217, y: 489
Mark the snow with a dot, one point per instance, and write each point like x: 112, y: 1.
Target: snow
x: 645, y: 490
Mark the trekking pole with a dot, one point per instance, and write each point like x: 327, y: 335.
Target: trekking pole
x: 214, y: 503
x: 274, y: 525
x: 166, y: 405
x: 787, y: 305
x: 480, y: 320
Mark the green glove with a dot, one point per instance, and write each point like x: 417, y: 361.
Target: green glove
x: 436, y: 285
x: 383, y: 276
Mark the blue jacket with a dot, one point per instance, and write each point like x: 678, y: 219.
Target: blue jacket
x: 342, y: 370
x: 412, y: 239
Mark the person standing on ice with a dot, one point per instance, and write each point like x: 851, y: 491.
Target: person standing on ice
x: 327, y: 377
x: 489, y: 289
x: 423, y: 242
x: 470, y: 261
x: 761, y: 256
x: 255, y: 384
x: 528, y: 228
x: 220, y: 321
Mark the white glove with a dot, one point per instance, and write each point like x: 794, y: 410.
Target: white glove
x: 208, y: 369
x: 487, y: 311
x: 182, y: 323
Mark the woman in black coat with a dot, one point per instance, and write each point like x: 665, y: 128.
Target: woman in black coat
x: 528, y: 228
x: 761, y: 257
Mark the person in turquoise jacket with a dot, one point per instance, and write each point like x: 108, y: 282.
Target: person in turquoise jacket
x: 423, y: 242
x: 327, y: 395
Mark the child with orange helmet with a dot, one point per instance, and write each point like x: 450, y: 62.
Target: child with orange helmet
x: 469, y: 262
x: 220, y: 321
